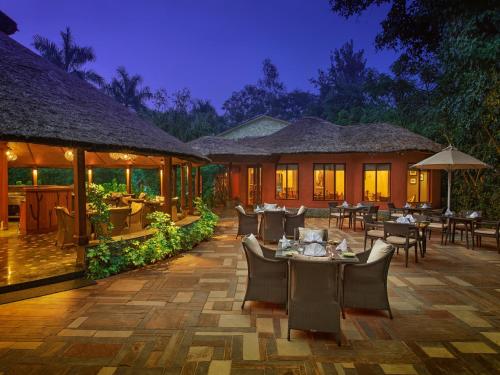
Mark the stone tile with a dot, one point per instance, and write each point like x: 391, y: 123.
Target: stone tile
x: 458, y: 281
x: 436, y: 351
x: 217, y: 294
x: 146, y: 303
x: 107, y: 371
x: 234, y: 321
x: 399, y: 369
x: 183, y: 297
x: 27, y: 345
x: 293, y: 348
x: 471, y: 318
x: 200, y: 353
x: 475, y: 347
x: 219, y: 368
x: 424, y: 281
x: 113, y: 333
x: 77, y: 322
x: 251, y: 351
x: 127, y: 285
x: 77, y: 332
x: 492, y: 336
x: 265, y: 325
x: 396, y: 281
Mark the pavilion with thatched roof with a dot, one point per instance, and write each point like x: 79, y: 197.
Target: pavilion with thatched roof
x: 313, y: 162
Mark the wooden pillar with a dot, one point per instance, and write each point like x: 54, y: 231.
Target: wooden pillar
x: 128, y: 176
x: 197, y: 187
x: 230, y: 182
x: 34, y: 176
x: 80, y: 235
x: 4, y: 187
x: 166, y: 184
x: 174, y: 180
x: 190, y: 189
x: 183, y: 186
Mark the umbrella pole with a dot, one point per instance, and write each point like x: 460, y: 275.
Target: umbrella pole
x: 449, y: 189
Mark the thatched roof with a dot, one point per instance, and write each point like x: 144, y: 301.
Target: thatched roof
x: 7, y: 24
x: 40, y: 103
x: 314, y: 135
x: 218, y: 146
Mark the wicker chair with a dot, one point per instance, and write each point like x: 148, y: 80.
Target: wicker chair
x: 393, y: 211
x: 313, y: 298
x: 373, y: 230
x: 118, y: 218
x: 401, y: 236
x: 364, y: 285
x: 135, y: 222
x: 267, y: 278
x: 65, y: 227
x: 335, y: 213
x: 371, y: 211
x: 299, y: 234
x: 488, y: 229
x: 247, y: 223
x: 272, y: 228
x: 295, y: 221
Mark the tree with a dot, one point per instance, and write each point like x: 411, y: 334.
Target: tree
x: 69, y: 56
x: 128, y: 90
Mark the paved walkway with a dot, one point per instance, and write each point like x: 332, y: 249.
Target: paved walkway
x: 184, y: 316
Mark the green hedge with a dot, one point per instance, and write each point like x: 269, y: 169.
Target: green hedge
x: 108, y: 258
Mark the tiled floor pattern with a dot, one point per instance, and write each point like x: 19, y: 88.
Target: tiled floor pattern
x: 31, y: 257
x: 184, y: 316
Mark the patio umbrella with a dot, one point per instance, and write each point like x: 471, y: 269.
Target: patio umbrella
x: 450, y: 159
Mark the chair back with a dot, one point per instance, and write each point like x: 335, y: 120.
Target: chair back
x: 136, y: 215
x: 65, y: 226
x: 397, y: 229
x: 373, y: 210
x: 272, y: 225
x: 294, y: 221
x: 118, y: 218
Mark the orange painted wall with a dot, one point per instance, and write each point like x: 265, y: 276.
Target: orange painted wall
x: 354, y: 177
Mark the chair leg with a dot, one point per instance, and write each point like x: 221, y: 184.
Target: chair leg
x: 288, y: 336
x: 343, y: 312
x: 364, y: 244
x: 243, y: 304
x: 338, y: 337
x: 416, y: 253
x: 390, y: 313
x: 406, y: 257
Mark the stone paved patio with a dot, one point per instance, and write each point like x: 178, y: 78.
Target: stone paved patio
x: 184, y: 316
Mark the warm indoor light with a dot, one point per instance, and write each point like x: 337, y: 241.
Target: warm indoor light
x: 126, y: 157
x: 35, y: 176
x: 11, y: 155
x: 69, y: 155
x: 114, y: 155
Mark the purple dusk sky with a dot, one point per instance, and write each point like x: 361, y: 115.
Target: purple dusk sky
x: 212, y: 47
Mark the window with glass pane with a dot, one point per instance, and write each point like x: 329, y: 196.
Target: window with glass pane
x: 417, y: 186
x: 377, y: 182
x: 287, y: 181
x: 328, y: 181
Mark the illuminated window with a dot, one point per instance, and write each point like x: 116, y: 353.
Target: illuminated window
x: 377, y: 182
x: 287, y: 181
x: 254, y: 176
x: 418, y: 186
x: 329, y: 182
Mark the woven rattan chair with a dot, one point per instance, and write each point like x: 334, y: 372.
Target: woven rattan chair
x: 294, y: 221
x: 394, y: 212
x: 335, y: 213
x: 272, y: 228
x: 371, y: 211
x: 313, y: 302
x: 118, y: 218
x: 373, y: 230
x: 135, y: 222
x: 364, y: 285
x: 65, y: 227
x: 248, y: 223
x: 267, y: 279
x: 487, y: 228
x: 401, y: 236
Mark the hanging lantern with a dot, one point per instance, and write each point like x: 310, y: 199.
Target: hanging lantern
x: 68, y: 155
x: 114, y: 155
x: 11, y: 155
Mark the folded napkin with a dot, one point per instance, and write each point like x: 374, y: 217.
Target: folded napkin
x: 270, y: 206
x: 359, y: 204
x: 283, y: 209
x: 314, y: 250
x: 425, y: 205
x: 408, y: 219
x: 473, y: 215
x: 448, y: 212
x: 345, y: 204
x: 342, y: 246
x: 311, y: 235
x: 407, y: 205
x: 284, y: 243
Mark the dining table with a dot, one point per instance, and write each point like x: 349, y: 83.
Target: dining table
x: 351, y: 212
x: 260, y: 213
x: 468, y: 222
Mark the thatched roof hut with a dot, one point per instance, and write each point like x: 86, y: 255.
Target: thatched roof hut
x: 224, y: 148
x: 40, y: 103
x: 314, y: 135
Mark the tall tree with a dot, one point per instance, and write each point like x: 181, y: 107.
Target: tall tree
x: 68, y: 56
x: 128, y: 90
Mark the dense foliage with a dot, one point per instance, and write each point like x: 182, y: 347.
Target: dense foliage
x: 108, y: 258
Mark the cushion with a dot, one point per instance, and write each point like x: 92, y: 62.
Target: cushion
x: 488, y: 231
x: 253, y: 244
x: 301, y: 210
x: 310, y: 235
x: 240, y: 209
x: 375, y: 233
x: 437, y: 225
x: 396, y: 240
x: 379, y: 250
x: 135, y: 207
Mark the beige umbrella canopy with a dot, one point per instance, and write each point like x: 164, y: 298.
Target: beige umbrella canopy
x: 450, y: 159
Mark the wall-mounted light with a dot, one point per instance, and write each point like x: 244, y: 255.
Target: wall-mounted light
x: 35, y: 176
x: 126, y: 157
x: 11, y: 155
x: 69, y: 155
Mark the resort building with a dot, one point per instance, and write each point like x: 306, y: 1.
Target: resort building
x: 313, y: 162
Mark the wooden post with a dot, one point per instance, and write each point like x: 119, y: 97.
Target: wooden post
x: 230, y: 182
x: 4, y: 187
x: 183, y: 187
x: 197, y: 182
x: 34, y: 175
x: 174, y: 181
x: 190, y: 188
x: 166, y: 188
x: 80, y: 235
x: 128, y: 176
